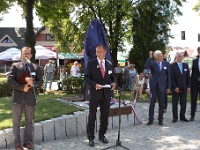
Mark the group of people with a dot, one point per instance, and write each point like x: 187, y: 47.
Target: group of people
x: 174, y: 78
x: 100, y: 76
x: 49, y: 71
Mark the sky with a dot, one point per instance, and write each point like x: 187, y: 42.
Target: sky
x: 189, y: 22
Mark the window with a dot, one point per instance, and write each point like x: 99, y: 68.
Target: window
x: 6, y: 40
x: 48, y: 37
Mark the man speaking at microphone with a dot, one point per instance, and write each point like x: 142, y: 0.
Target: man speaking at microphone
x: 23, y: 98
x: 100, y: 77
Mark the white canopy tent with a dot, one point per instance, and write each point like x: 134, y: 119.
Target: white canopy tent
x: 41, y: 53
x: 8, y: 54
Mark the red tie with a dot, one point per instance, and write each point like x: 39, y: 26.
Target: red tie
x: 102, y: 69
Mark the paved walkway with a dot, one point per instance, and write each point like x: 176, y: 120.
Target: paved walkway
x: 173, y: 136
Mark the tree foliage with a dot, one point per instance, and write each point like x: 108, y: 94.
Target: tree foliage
x: 151, y: 28
x: 197, y: 7
x: 5, y: 5
x: 144, y: 23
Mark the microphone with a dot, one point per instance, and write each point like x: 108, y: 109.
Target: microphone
x: 28, y: 60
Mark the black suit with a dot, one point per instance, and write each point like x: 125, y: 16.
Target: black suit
x: 195, y: 85
x: 100, y: 97
x: 181, y: 81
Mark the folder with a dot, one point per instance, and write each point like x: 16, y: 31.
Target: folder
x: 22, y: 78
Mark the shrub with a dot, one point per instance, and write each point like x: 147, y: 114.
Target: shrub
x: 73, y: 85
x: 5, y: 89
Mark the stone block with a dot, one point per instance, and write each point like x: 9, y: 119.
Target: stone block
x: 2, y: 139
x: 38, y: 134
x: 71, y: 125
x: 48, y: 130
x: 59, y: 126
x: 81, y: 122
x: 9, y: 137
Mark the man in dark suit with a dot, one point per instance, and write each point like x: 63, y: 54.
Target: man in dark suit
x: 195, y: 84
x: 180, y: 78
x: 99, y: 72
x: 160, y: 83
x: 21, y: 77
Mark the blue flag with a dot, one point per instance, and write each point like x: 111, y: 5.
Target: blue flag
x: 95, y: 35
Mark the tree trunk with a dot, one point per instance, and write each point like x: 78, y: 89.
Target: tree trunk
x: 114, y: 56
x: 29, y: 35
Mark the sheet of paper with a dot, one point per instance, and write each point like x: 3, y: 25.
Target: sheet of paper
x: 106, y: 86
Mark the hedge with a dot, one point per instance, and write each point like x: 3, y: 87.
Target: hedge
x: 73, y: 85
x: 5, y: 89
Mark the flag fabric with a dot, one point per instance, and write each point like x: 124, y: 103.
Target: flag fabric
x: 95, y: 35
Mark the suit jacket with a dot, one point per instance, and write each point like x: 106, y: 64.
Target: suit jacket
x: 93, y: 76
x: 163, y: 78
x: 18, y: 95
x: 195, y: 73
x: 179, y: 80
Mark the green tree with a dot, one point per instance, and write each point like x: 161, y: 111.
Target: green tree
x: 151, y: 28
x: 5, y: 5
x: 69, y: 21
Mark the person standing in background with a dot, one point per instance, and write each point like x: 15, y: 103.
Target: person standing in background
x: 23, y: 98
x: 118, y: 74
x: 126, y: 77
x: 195, y: 84
x: 49, y: 71
x: 63, y: 75
x: 180, y: 77
x: 160, y: 83
x: 75, y: 70
x: 132, y: 77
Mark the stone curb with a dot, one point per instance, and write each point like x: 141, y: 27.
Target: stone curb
x: 68, y: 126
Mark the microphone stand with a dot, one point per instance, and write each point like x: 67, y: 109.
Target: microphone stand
x: 33, y: 118
x: 118, y: 143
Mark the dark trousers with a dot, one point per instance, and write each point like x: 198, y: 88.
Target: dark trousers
x: 183, y: 103
x: 104, y: 110
x: 161, y: 98
x: 59, y: 83
x: 194, y: 93
x: 119, y: 79
x: 17, y: 114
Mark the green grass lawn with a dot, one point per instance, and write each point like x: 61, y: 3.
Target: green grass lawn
x: 47, y: 108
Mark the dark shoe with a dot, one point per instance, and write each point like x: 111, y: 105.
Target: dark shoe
x: 160, y: 122
x: 184, y: 119
x: 103, y: 139
x: 19, y: 147
x: 192, y: 118
x: 91, y: 143
x: 150, y: 122
x: 28, y: 145
x: 174, y: 120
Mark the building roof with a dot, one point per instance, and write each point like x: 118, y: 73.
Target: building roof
x: 15, y: 34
